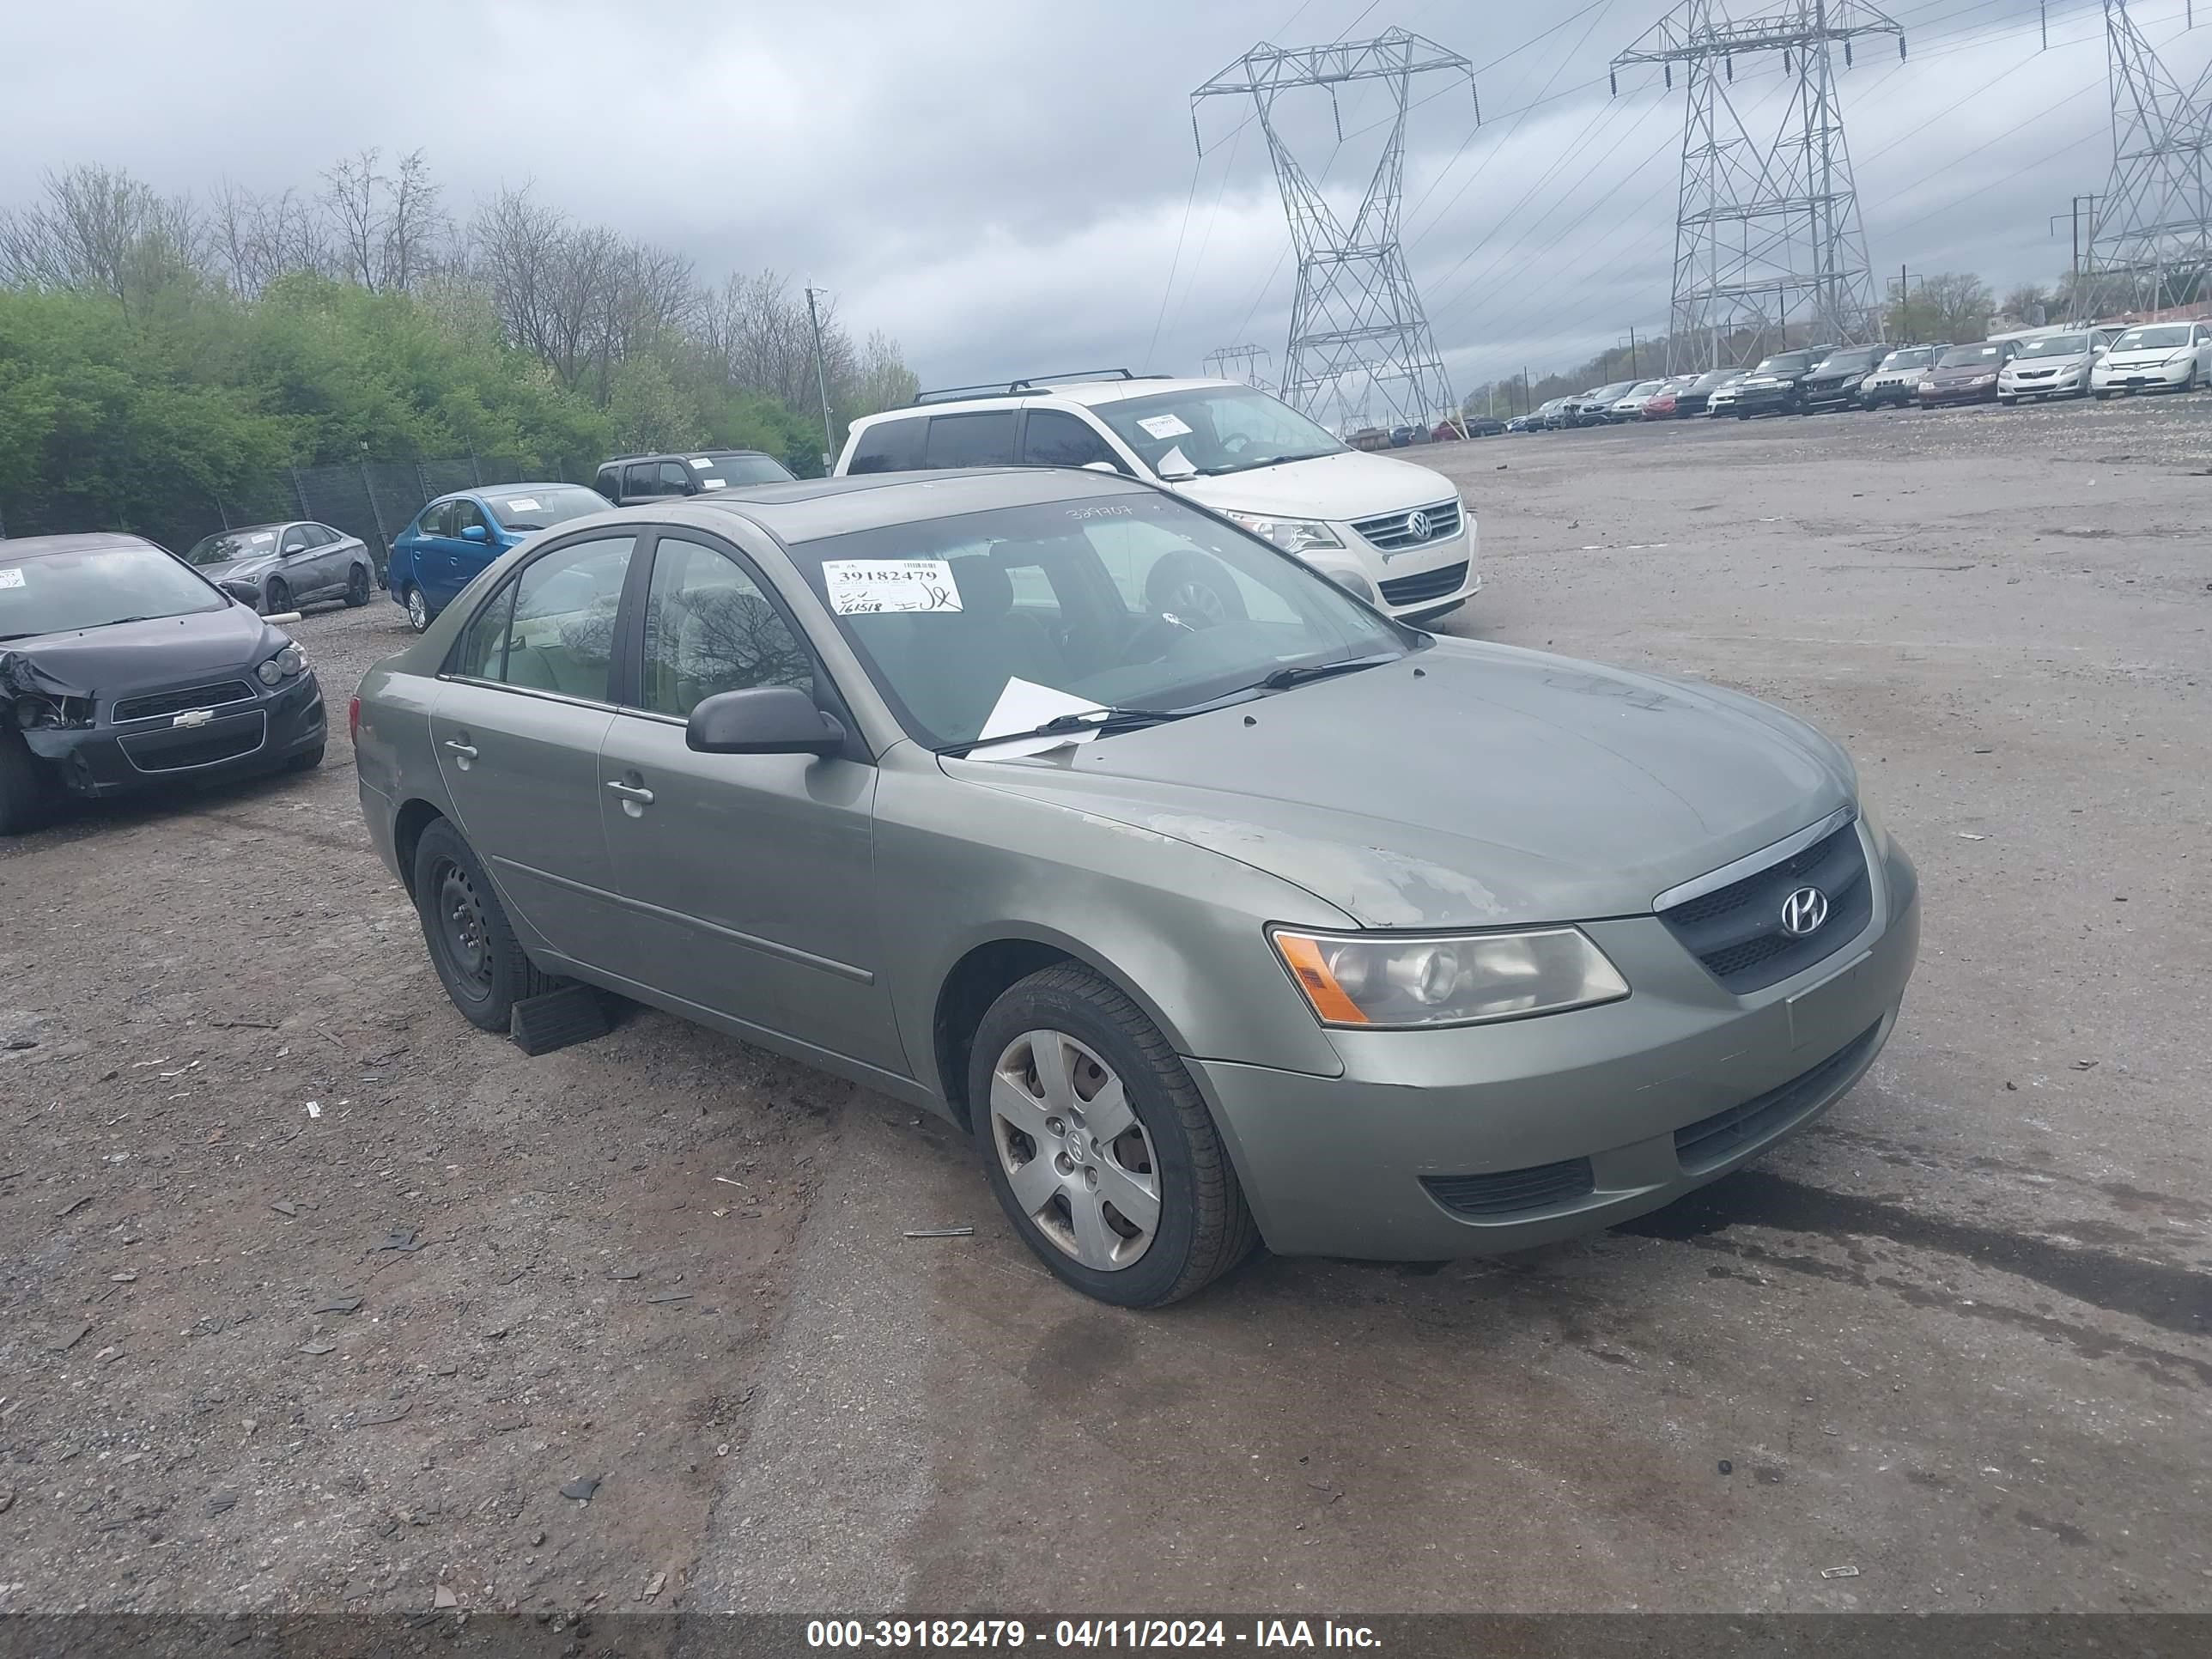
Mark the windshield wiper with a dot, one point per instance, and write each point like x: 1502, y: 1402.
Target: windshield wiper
x: 1298, y: 673
x: 1105, y: 722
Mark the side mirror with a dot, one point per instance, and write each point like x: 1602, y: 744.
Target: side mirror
x: 765, y: 720
x: 475, y: 532
x: 1175, y: 467
x: 244, y: 593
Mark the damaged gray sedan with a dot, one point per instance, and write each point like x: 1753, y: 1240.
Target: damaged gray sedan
x: 1216, y: 906
x: 121, y: 668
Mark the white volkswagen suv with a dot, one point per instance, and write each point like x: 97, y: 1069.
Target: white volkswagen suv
x: 1394, y: 532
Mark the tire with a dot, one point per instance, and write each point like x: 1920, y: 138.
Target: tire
x: 356, y: 588
x: 418, y: 609
x: 27, y: 791
x: 1201, y: 1225
x: 1196, y: 588
x: 2102, y: 397
x: 2008, y: 402
x: 307, y: 760
x: 472, y: 945
x: 2190, y: 384
x: 275, y: 599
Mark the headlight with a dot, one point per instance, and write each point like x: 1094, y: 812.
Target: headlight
x: 1291, y: 535
x: 1385, y: 981
x: 281, y: 666
x: 1984, y: 380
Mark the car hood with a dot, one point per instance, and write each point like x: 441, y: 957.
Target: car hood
x: 2149, y: 357
x: 238, y: 570
x: 1963, y: 372
x: 1351, y: 485
x: 2074, y: 361
x: 1472, y: 785
x: 107, y: 662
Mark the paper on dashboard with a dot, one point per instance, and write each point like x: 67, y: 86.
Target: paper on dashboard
x: 1023, y: 706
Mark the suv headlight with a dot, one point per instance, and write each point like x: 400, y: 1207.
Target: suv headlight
x: 1397, y: 981
x: 1291, y: 535
x: 281, y: 666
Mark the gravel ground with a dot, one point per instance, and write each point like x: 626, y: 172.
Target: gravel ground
x: 1956, y: 1336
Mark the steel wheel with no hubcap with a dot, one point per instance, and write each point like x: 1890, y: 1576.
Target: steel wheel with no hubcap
x: 461, y: 927
x: 1079, y: 1162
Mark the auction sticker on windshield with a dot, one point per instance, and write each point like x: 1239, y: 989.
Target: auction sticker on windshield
x: 1164, y: 426
x: 11, y: 578
x: 526, y: 505
x: 860, y: 588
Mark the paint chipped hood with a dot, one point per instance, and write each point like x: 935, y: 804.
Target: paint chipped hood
x: 1493, y: 787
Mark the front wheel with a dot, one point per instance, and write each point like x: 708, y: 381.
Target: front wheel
x: 1099, y: 1145
x: 26, y: 792
x: 472, y: 945
x: 2103, y: 397
x: 418, y: 610
x: 2189, y: 381
x: 275, y: 599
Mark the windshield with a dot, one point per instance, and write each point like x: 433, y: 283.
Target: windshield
x: 1964, y: 356
x: 2152, y: 339
x: 1913, y: 357
x: 534, y: 506
x: 61, y: 592
x: 232, y: 545
x: 1789, y: 363
x: 1643, y: 388
x: 720, y: 472
x: 1118, y: 601
x: 1213, y: 430
x: 2057, y: 345
x: 1843, y: 362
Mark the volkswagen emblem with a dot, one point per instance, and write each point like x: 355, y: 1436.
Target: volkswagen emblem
x: 1804, y: 912
x: 1416, y: 524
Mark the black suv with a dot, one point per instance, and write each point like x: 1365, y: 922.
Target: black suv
x: 627, y: 480
x: 1834, y: 384
x: 1776, y: 386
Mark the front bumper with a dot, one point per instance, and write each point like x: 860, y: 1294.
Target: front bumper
x: 1829, y: 394
x: 238, y: 740
x: 1416, y: 583
x: 1892, y: 392
x: 1766, y: 400
x: 2060, y: 383
x: 2157, y: 377
x: 1932, y: 397
x: 1652, y: 1093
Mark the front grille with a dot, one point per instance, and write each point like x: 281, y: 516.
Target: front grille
x: 1736, y: 931
x: 1716, y: 1140
x: 1512, y: 1192
x: 1429, y: 585
x: 176, y: 702
x: 1393, y: 531
x: 182, y: 750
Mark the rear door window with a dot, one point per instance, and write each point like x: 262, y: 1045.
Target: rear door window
x: 888, y: 446
x: 437, y: 520
x: 984, y: 439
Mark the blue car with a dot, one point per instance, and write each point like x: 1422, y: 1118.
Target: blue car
x: 458, y: 535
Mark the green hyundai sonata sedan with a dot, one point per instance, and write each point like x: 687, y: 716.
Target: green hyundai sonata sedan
x: 1218, y: 907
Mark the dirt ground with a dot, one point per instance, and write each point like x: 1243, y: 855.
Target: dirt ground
x: 1958, y: 1336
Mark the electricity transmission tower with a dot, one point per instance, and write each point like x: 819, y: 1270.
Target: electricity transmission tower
x: 1768, y: 231
x: 1358, y: 337
x: 1239, y: 363
x: 2154, y: 233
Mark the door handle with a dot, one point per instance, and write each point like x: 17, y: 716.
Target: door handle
x: 632, y: 792
x: 465, y: 750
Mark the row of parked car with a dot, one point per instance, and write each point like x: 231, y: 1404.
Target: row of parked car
x: 2032, y: 366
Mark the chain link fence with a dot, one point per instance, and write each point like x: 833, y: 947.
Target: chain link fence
x: 372, y: 500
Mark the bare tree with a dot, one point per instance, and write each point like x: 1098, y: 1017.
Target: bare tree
x: 101, y: 230
x: 257, y: 239
x: 548, y: 279
x: 415, y: 226
x: 353, y: 192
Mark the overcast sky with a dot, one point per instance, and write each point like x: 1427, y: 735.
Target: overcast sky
x: 1004, y: 187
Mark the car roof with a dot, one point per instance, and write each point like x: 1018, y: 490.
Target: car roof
x: 810, y: 508
x: 1090, y: 393
x: 14, y: 549
x: 503, y: 490
x: 678, y: 454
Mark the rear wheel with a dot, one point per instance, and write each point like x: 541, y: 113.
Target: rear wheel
x: 472, y: 945
x: 1099, y: 1145
x: 26, y: 792
x: 357, y: 587
x: 418, y: 610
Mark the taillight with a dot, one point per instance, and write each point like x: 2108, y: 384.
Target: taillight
x: 353, y: 720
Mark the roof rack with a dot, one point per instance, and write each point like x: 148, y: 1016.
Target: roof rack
x: 1034, y: 383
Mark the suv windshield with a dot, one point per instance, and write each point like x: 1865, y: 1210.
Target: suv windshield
x: 1789, y: 363
x: 61, y: 592
x: 1843, y: 362
x: 2151, y: 339
x: 1214, y: 429
x: 1911, y: 357
x: 1962, y: 356
x: 534, y: 506
x: 231, y: 546
x: 2057, y: 345
x: 1121, y: 601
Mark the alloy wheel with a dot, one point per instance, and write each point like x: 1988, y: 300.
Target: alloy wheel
x: 418, y: 610
x: 1080, y: 1164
